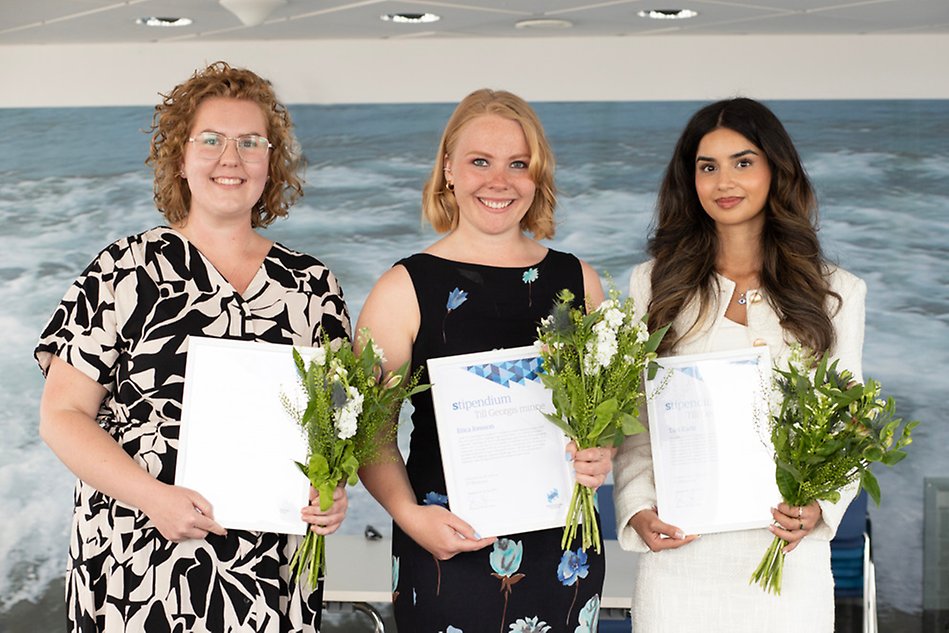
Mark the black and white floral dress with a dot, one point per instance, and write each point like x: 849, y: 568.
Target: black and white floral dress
x: 125, y: 323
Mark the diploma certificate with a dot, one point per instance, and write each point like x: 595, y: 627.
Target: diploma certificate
x: 505, y: 465
x: 238, y: 444
x: 711, y: 440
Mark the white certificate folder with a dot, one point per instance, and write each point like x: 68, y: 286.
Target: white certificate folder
x: 505, y: 465
x: 711, y: 440
x: 238, y: 443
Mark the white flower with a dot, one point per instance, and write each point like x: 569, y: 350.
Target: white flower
x: 641, y: 335
x: 589, y: 362
x: 347, y: 416
x: 319, y: 355
x: 337, y: 372
x: 614, y: 318
x: 605, y: 347
x: 378, y: 352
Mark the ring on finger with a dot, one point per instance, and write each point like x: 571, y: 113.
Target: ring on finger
x: 801, y: 528
x: 800, y: 511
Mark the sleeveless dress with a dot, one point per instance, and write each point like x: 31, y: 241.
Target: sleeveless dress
x: 125, y: 323
x: 471, y: 308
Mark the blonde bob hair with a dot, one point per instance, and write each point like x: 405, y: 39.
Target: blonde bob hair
x: 171, y: 128
x: 438, y: 203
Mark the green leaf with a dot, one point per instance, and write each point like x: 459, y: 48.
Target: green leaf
x: 893, y: 457
x: 319, y: 469
x: 652, y: 343
x: 302, y: 468
x: 873, y: 454
x: 298, y: 361
x: 651, y: 369
x: 631, y: 425
x: 833, y: 496
x: 829, y: 447
x: 326, y: 489
x: 604, y: 412
x: 869, y: 483
x: 786, y: 480
x: 561, y: 423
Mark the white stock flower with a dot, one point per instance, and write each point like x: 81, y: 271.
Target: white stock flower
x: 614, y: 318
x: 319, y: 355
x: 378, y: 352
x: 348, y: 416
x: 337, y: 371
x: 641, y: 335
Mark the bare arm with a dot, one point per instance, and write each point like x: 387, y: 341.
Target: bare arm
x: 68, y: 410
x: 392, y: 316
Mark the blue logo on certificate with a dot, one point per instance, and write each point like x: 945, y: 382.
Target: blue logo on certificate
x: 519, y: 371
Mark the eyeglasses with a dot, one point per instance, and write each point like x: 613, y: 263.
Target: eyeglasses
x: 252, y: 148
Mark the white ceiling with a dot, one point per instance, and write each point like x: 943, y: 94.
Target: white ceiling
x: 112, y: 21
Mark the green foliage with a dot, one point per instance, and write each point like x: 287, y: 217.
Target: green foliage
x: 828, y: 431
x: 352, y: 410
x: 594, y: 365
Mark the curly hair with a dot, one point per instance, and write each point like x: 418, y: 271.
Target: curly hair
x: 171, y: 126
x: 684, y: 244
x: 439, y: 206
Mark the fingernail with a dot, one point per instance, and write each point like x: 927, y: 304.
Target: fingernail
x: 477, y: 536
x: 567, y: 456
x: 680, y: 534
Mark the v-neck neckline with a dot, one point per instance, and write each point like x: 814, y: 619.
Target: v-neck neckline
x: 255, y: 283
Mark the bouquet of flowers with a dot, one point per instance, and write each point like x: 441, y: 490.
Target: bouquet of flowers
x: 827, y: 432
x: 594, y: 365
x: 352, y: 407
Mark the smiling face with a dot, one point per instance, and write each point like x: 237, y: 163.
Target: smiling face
x: 489, y: 170
x: 732, y: 178
x: 226, y: 187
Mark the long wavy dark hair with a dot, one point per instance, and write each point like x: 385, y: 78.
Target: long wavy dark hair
x: 794, y: 271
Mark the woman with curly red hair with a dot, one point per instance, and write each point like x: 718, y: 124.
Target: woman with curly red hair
x: 145, y: 554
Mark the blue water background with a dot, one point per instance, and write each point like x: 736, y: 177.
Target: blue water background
x: 72, y: 180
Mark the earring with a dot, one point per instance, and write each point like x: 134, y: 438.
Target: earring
x: 450, y: 186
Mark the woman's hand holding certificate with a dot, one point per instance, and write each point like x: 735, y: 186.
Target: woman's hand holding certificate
x: 594, y: 365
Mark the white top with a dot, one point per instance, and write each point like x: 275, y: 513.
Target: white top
x: 704, y: 585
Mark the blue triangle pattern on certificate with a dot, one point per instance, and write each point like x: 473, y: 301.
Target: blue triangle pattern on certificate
x: 691, y: 370
x: 519, y: 371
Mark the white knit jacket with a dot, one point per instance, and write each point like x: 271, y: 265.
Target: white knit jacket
x: 635, y: 487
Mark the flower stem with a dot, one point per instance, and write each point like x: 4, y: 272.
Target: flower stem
x: 770, y: 570
x: 309, y: 561
x: 582, y: 510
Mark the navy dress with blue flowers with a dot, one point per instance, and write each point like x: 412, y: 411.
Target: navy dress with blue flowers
x: 526, y: 582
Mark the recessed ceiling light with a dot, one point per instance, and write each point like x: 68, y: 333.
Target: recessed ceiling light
x: 544, y: 23
x: 156, y: 21
x: 410, y: 18
x: 668, y: 14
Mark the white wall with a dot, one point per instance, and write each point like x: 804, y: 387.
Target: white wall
x: 444, y: 70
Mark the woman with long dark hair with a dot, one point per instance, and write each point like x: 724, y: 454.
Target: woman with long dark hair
x: 736, y: 262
